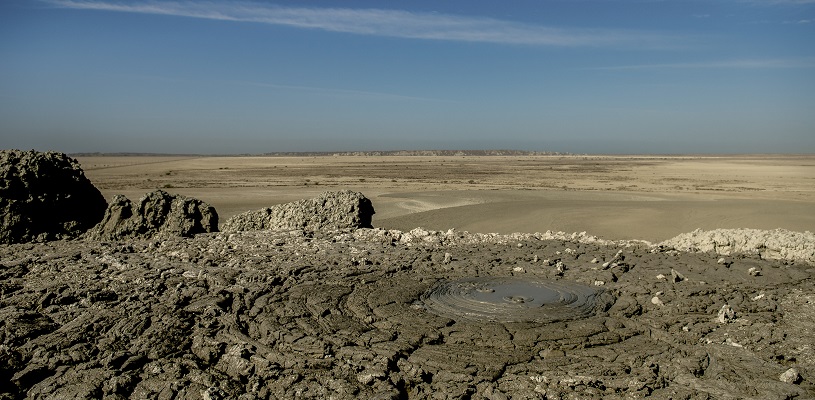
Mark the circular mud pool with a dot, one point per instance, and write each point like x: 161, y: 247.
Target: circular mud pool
x: 509, y: 299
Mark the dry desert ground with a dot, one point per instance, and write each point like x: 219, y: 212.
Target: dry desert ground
x: 507, y: 310
x: 651, y: 198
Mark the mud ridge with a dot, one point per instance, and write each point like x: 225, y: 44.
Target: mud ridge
x: 339, y: 314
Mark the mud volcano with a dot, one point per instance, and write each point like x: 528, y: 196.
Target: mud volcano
x: 509, y: 299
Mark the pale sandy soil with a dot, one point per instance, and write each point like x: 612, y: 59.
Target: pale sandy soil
x: 616, y: 197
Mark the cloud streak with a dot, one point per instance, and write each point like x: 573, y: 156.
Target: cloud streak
x: 383, y: 22
x: 722, y: 64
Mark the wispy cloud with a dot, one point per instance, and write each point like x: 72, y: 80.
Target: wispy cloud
x: 722, y: 64
x: 779, y: 2
x: 384, y: 22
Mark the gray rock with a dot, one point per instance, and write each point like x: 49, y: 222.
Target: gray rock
x: 328, y: 211
x: 45, y: 196
x: 157, y: 212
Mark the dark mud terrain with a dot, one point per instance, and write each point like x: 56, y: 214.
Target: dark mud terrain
x: 340, y: 315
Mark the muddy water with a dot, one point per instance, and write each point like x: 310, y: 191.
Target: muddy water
x: 510, y: 299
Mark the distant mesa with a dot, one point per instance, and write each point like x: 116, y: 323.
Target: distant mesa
x: 157, y: 213
x: 45, y: 196
x: 338, y: 210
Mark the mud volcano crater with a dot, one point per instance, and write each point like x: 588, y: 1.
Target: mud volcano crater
x: 512, y: 299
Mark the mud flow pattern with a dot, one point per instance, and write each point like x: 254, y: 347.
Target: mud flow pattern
x: 509, y: 299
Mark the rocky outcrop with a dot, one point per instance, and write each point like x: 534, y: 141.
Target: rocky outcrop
x: 45, y: 196
x: 777, y: 244
x: 156, y: 213
x: 329, y: 211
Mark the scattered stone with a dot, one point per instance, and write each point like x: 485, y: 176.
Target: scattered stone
x: 676, y: 276
x: 535, y: 258
x: 447, y: 258
x: 519, y: 269
x: 790, y: 376
x: 661, y: 277
x: 158, y: 212
x: 560, y: 268
x: 758, y: 297
x: 753, y: 271
x: 726, y: 314
x: 594, y: 260
x: 329, y: 211
x: 45, y: 196
x: 656, y: 301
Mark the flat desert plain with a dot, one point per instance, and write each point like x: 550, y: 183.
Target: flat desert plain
x: 651, y: 198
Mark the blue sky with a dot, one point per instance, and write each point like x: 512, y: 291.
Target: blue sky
x: 610, y: 76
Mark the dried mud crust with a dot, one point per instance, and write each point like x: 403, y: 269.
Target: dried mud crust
x: 260, y: 315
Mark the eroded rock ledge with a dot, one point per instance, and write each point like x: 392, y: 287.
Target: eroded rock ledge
x: 156, y: 213
x: 328, y: 211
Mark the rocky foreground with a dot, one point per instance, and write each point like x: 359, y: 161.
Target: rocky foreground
x: 288, y: 314
x: 146, y: 299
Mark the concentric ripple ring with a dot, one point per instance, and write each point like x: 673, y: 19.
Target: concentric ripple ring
x: 511, y: 299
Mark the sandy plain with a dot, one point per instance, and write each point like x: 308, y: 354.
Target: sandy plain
x: 651, y: 198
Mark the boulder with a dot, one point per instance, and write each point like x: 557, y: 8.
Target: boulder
x: 45, y: 196
x: 329, y: 211
x: 158, y: 212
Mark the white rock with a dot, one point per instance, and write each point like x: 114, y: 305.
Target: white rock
x: 726, y: 314
x: 656, y: 301
x: 660, y: 277
x: 753, y: 271
x: 790, y: 376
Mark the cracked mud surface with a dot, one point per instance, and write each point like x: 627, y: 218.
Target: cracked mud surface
x: 261, y: 315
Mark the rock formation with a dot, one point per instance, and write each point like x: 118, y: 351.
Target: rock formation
x: 45, y: 196
x: 328, y: 211
x: 777, y: 244
x: 157, y: 212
